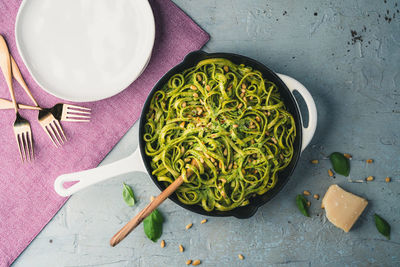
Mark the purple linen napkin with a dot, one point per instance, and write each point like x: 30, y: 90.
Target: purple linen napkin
x: 27, y: 199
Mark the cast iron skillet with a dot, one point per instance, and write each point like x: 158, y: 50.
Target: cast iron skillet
x: 139, y: 161
x: 191, y: 60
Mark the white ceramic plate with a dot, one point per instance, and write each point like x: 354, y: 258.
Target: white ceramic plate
x: 85, y: 50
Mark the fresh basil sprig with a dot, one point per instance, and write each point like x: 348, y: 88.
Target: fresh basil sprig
x: 340, y: 163
x: 153, y: 225
x: 302, y: 205
x: 128, y: 195
x: 382, y: 225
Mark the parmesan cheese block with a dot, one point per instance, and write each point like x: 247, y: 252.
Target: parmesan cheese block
x: 342, y: 208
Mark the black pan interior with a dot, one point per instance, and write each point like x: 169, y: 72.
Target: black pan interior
x: 191, y: 60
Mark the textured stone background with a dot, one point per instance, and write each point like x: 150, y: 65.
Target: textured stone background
x: 355, y: 80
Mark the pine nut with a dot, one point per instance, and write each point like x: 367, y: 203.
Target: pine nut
x: 195, y: 95
x: 208, y: 88
x: 226, y: 68
x: 203, y: 221
x: 182, y: 125
x: 308, y: 203
x: 387, y: 179
x: 240, y: 256
x: 189, y: 226
x: 244, y: 86
x: 314, y: 161
x: 306, y: 193
x: 193, y: 87
x: 347, y: 156
x: 181, y: 249
x: 162, y: 243
x: 225, y: 152
x: 369, y: 161
x: 188, y: 262
x: 235, y: 126
x: 316, y: 196
x: 370, y: 178
x: 330, y: 172
x: 240, y: 105
x: 199, y: 77
x: 196, y: 262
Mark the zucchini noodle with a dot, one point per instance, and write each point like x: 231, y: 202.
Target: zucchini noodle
x: 225, y: 123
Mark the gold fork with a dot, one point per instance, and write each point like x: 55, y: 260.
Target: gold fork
x: 61, y: 111
x: 22, y: 128
x: 46, y: 119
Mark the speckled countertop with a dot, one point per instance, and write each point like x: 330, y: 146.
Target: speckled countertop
x: 347, y: 54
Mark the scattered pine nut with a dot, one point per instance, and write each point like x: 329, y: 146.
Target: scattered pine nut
x: 240, y: 105
x: 208, y: 88
x: 274, y: 140
x: 330, y: 172
x: 196, y: 262
x: 370, y: 178
x: 235, y: 126
x: 203, y: 221
x: 230, y: 166
x: 188, y: 160
x: 308, y: 203
x: 258, y: 119
x: 162, y: 243
x: 193, y: 87
x: 195, y: 95
x: 240, y: 256
x: 306, y: 193
x: 201, y: 160
x: 183, y: 149
x: 347, y: 156
x: 182, y: 125
x: 181, y: 249
x: 184, y: 104
x: 316, y: 196
x: 199, y: 77
x: 189, y: 226
x: 244, y: 86
x: 225, y: 152
x: 314, y: 161
x: 226, y: 68
x: 188, y: 262
x: 369, y: 161
x: 387, y: 179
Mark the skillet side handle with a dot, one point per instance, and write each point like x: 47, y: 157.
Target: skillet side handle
x: 93, y: 176
x: 308, y: 132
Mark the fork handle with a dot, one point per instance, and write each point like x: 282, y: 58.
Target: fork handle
x: 18, y: 76
x: 7, y: 104
x: 5, y: 65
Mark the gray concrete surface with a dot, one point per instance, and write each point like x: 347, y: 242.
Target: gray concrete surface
x: 355, y: 80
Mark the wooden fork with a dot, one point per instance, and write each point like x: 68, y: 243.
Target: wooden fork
x: 46, y: 119
x: 62, y: 112
x: 22, y: 128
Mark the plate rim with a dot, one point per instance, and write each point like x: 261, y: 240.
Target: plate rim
x: 152, y: 34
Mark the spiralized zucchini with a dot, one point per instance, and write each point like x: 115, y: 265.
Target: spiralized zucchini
x: 231, y: 122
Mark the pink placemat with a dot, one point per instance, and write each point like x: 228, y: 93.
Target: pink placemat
x: 27, y: 199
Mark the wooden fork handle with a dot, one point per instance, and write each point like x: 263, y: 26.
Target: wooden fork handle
x: 133, y: 223
x: 18, y: 76
x: 5, y: 65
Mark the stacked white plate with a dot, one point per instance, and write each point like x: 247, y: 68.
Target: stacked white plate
x: 85, y: 50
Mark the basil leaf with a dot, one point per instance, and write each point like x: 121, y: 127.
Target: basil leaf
x: 382, y: 226
x: 128, y: 195
x: 302, y: 205
x: 153, y: 225
x: 340, y: 163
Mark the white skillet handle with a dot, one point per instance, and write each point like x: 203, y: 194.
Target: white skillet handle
x: 89, y: 177
x: 308, y: 132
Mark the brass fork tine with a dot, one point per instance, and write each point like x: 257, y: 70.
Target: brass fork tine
x: 76, y: 120
x: 77, y: 107
x: 49, y: 134
x: 26, y: 146
x: 19, y: 147
x: 78, y: 111
x: 78, y: 116
x: 61, y: 129
x: 32, y: 155
x: 57, y: 131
